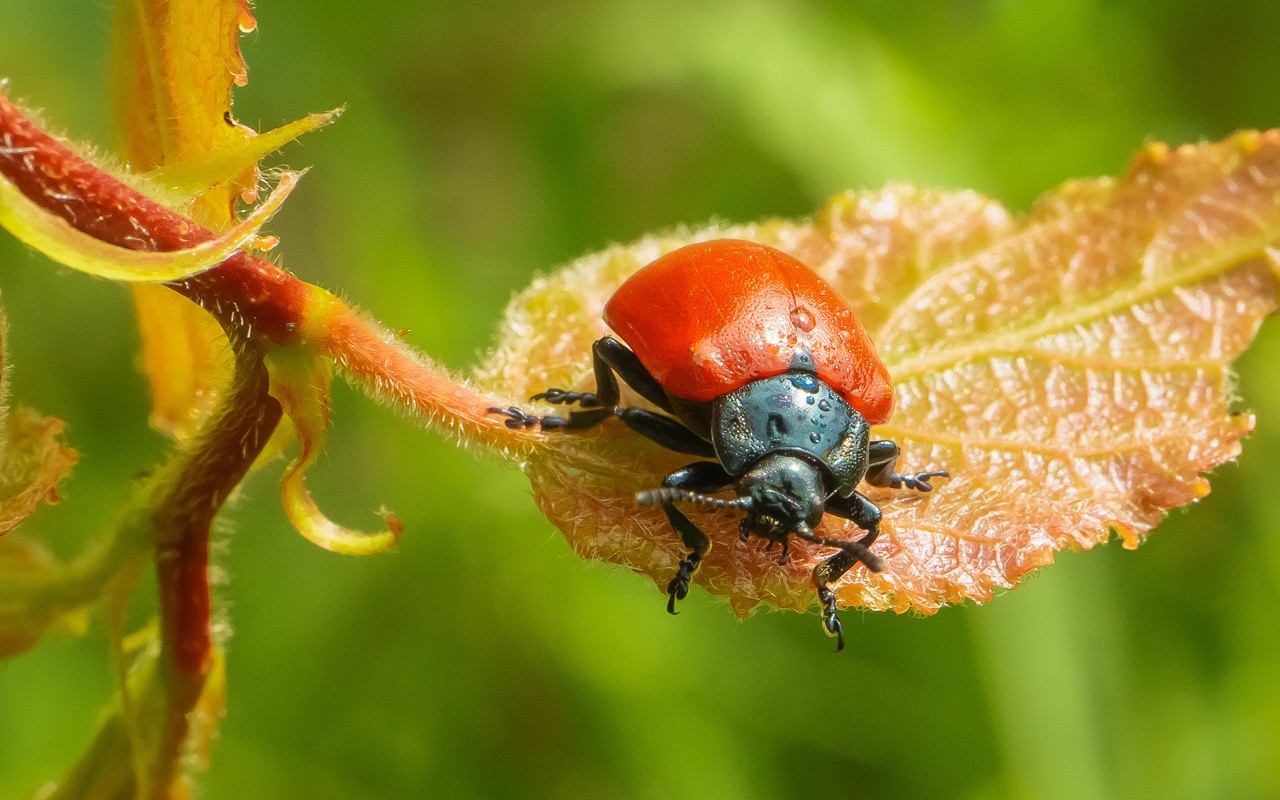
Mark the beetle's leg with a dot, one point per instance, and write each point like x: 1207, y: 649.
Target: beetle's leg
x: 882, y: 456
x: 612, y: 359
x: 576, y: 421
x: 666, y: 432
x: 701, y: 477
x: 866, y: 515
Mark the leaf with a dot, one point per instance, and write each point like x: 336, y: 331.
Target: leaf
x: 184, y: 356
x: 189, y: 179
x: 1071, y: 370
x: 57, y: 239
x: 33, y: 460
x: 300, y: 383
x: 27, y: 612
x: 174, y: 66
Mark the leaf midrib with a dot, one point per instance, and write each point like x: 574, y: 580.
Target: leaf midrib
x: 1012, y: 341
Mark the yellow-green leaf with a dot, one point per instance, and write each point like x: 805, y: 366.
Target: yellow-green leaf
x: 191, y: 178
x: 56, y: 238
x: 173, y: 68
x: 300, y: 382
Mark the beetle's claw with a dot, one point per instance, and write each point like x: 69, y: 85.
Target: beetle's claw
x: 515, y: 418
x: 830, y: 621
x: 920, y: 481
x: 678, y: 589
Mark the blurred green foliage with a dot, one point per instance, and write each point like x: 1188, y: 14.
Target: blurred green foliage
x: 487, y: 140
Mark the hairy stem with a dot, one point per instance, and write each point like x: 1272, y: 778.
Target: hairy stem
x: 178, y: 507
x: 262, y: 303
x: 183, y: 512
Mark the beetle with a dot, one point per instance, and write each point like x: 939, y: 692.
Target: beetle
x: 762, y: 370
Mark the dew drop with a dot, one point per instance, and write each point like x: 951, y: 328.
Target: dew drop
x: 825, y: 405
x: 805, y: 383
x: 809, y: 400
x: 802, y: 318
x: 815, y: 437
x: 245, y: 21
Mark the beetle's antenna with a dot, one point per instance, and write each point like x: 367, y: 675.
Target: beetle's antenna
x: 670, y: 494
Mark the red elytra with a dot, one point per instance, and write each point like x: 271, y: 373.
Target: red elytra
x: 711, y: 317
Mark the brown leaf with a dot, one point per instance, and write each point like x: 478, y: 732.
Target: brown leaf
x: 1071, y: 370
x: 33, y: 460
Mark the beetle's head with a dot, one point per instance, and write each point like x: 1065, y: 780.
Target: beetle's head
x: 781, y: 494
x: 785, y: 493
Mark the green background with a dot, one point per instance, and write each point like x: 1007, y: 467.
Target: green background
x: 485, y: 141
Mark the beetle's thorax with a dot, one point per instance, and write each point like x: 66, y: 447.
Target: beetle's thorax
x: 794, y: 414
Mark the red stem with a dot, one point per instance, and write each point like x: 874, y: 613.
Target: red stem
x: 259, y: 306
x: 252, y: 299
x: 184, y: 509
x: 244, y: 292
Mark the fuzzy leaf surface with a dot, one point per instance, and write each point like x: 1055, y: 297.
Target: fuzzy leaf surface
x: 1071, y: 369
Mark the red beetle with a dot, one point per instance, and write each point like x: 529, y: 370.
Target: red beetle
x: 761, y: 367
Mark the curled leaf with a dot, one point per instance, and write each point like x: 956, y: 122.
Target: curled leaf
x: 56, y: 238
x: 1070, y: 370
x: 300, y: 383
x: 193, y: 177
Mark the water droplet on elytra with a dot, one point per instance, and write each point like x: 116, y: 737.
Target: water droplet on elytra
x: 802, y: 318
x: 815, y: 437
x: 809, y: 400
x: 825, y: 405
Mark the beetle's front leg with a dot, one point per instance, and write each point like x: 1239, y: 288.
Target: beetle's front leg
x: 702, y: 477
x: 866, y: 515
x: 609, y: 359
x: 882, y: 457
